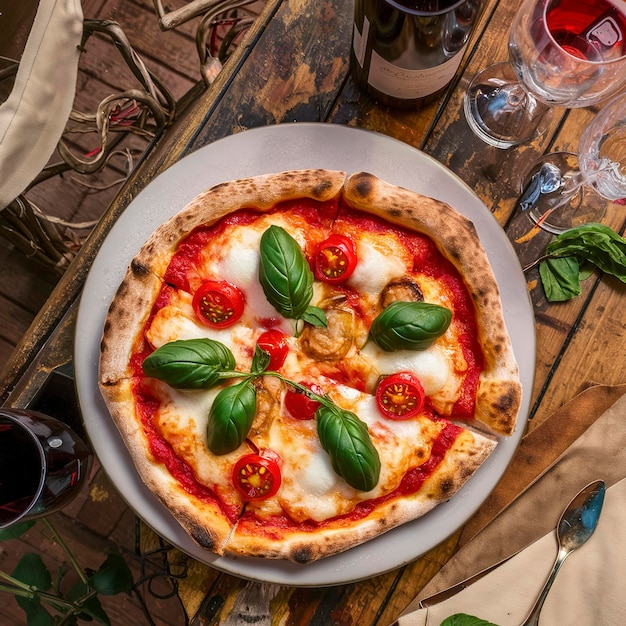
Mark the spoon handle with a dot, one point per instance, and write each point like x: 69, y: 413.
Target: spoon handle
x: 533, y: 616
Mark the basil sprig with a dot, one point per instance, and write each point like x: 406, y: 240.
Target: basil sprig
x: 409, y: 325
x: 342, y: 434
x: 286, y: 277
x: 569, y: 256
x: 346, y: 440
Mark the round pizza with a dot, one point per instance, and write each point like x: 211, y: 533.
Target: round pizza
x: 299, y: 362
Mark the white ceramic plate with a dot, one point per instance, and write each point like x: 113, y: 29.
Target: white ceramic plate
x: 274, y: 149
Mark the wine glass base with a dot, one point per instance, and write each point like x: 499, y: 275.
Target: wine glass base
x: 500, y: 111
x: 554, y: 211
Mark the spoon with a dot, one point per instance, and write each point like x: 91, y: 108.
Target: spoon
x: 576, y: 525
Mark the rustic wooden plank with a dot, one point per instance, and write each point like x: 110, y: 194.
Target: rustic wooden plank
x: 280, y: 70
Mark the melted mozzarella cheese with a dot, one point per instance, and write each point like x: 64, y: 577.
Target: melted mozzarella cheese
x: 238, y: 262
x: 171, y: 323
x: 432, y: 366
x: 378, y: 264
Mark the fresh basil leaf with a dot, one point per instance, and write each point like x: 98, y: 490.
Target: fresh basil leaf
x: 346, y: 440
x: 409, y: 325
x: 284, y: 273
x: 462, y: 619
x: 260, y: 360
x: 315, y: 316
x: 189, y: 363
x: 595, y: 243
x: 231, y: 417
x: 560, y: 278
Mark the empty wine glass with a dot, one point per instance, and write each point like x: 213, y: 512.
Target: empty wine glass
x: 554, y: 189
x: 568, y: 53
x: 43, y: 464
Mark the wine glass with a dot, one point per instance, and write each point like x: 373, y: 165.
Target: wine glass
x: 568, y: 53
x: 43, y: 465
x: 553, y: 191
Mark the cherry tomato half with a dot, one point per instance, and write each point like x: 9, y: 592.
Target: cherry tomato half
x: 400, y: 396
x: 274, y: 342
x: 335, y: 259
x: 256, y: 477
x: 300, y: 405
x: 218, y: 303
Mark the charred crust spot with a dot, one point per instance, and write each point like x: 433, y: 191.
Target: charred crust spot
x: 447, y: 487
x: 505, y: 402
x: 303, y: 555
x: 203, y: 537
x: 364, y: 185
x: 138, y: 268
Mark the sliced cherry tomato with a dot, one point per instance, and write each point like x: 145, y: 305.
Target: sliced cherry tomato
x: 218, y: 303
x: 257, y: 477
x: 275, y: 343
x: 300, y: 405
x: 400, y: 396
x: 335, y: 259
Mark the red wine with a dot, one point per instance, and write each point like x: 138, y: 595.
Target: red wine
x: 43, y: 463
x: 405, y: 52
x: 589, y: 29
x: 21, y: 470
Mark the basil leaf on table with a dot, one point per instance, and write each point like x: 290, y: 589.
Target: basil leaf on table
x: 560, y: 278
x: 409, y: 325
x: 571, y: 253
x: 231, y: 417
x: 346, y: 440
x: 189, y: 363
x: 284, y: 273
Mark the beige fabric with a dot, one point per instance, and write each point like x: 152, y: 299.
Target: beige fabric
x: 589, y: 587
x: 33, y: 117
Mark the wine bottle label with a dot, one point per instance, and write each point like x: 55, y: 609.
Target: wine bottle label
x: 400, y: 82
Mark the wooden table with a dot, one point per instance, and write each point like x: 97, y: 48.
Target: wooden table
x: 294, y: 67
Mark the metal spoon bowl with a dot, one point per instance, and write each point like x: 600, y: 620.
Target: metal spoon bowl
x: 576, y: 525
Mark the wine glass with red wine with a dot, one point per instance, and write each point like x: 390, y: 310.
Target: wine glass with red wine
x: 569, y: 53
x: 43, y: 465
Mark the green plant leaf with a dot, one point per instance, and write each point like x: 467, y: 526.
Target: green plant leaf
x: 284, y: 273
x: 231, y: 417
x: 462, y: 619
x: 112, y: 577
x: 32, y: 571
x: 260, y: 360
x: 346, y: 440
x: 560, y: 278
x: 189, y: 363
x: 37, y: 615
x: 595, y: 243
x: 15, y: 530
x: 315, y: 316
x: 409, y: 325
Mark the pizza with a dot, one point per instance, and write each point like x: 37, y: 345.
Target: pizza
x: 302, y: 361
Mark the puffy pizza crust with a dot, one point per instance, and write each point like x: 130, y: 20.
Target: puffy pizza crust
x: 499, y: 393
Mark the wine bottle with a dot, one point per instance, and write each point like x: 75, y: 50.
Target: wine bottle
x: 405, y: 52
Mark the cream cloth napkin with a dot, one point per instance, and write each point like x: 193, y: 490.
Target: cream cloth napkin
x: 33, y: 117
x: 591, y: 586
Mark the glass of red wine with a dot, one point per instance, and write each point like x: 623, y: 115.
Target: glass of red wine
x: 569, y: 53
x: 43, y: 465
